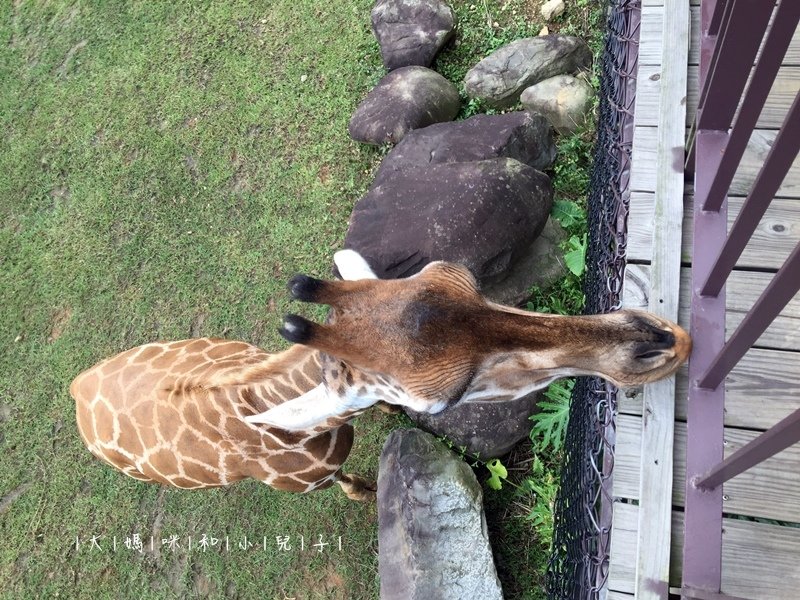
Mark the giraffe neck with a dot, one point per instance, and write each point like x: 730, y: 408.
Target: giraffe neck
x: 343, y: 394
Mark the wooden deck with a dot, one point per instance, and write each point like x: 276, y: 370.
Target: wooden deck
x: 761, y: 536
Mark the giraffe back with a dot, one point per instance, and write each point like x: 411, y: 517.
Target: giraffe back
x: 174, y: 413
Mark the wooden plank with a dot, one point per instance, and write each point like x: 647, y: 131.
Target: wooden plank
x: 624, y: 532
x: 759, y: 560
x: 650, y: 44
x: 650, y: 3
x: 770, y: 490
x: 760, y: 391
x: 643, y: 175
x: 744, y: 288
x: 772, y: 242
x: 783, y: 92
x: 650, y: 35
x: 657, y: 426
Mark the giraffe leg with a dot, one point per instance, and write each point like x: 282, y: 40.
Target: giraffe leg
x: 358, y: 488
x: 389, y: 409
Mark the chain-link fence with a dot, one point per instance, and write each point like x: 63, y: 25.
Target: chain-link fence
x: 579, y: 563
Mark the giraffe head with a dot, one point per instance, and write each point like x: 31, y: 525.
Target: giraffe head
x: 431, y: 340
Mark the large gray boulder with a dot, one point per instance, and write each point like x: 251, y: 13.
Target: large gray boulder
x: 565, y: 101
x: 525, y: 137
x: 432, y: 537
x: 541, y: 265
x: 411, y: 32
x: 406, y: 99
x: 486, y: 428
x: 500, y: 78
x: 482, y: 214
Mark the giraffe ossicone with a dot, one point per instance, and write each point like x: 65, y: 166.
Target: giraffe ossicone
x: 209, y: 412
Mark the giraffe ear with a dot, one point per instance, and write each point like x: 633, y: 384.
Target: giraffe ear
x: 304, y: 412
x: 352, y: 266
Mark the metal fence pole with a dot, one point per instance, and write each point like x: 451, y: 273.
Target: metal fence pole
x: 772, y: 301
x: 777, y: 438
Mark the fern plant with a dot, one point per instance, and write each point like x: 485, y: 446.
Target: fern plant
x: 550, y: 424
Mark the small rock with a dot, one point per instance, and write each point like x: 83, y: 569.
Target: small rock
x: 487, y: 428
x: 500, y: 77
x: 541, y: 265
x: 432, y: 534
x: 564, y: 100
x: 411, y: 32
x: 407, y: 98
x: 518, y: 135
x: 544, y: 31
x: 482, y: 214
x: 552, y: 9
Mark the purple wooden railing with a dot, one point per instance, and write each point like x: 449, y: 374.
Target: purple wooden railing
x: 732, y: 32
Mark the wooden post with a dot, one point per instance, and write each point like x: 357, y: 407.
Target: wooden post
x: 658, y: 423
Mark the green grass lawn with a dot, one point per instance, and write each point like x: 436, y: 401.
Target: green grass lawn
x: 164, y: 169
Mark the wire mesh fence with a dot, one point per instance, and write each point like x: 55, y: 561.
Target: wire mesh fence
x: 579, y: 563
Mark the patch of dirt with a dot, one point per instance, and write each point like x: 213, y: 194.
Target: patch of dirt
x: 202, y: 586
x: 12, y: 42
x: 158, y: 522
x: 5, y: 413
x: 532, y: 10
x: 67, y: 21
x: 12, y: 496
x: 239, y: 183
x: 324, y: 174
x: 196, y: 326
x: 99, y: 137
x: 54, y: 431
x: 61, y: 71
x: 176, y: 573
x: 60, y: 321
x: 191, y: 166
x: 60, y: 194
x: 327, y: 583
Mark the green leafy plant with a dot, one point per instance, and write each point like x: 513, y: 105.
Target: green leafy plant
x: 550, y: 424
x: 542, y: 485
x: 496, y: 468
x: 575, y: 257
x: 563, y: 298
x: 499, y: 474
x: 568, y: 213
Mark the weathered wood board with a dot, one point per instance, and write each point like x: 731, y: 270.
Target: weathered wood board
x: 650, y: 38
x: 759, y: 561
x: 644, y: 173
x: 772, y: 242
x: 783, y: 92
x: 770, y: 490
x: 657, y: 428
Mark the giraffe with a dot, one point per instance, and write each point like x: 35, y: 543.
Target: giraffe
x: 210, y: 412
